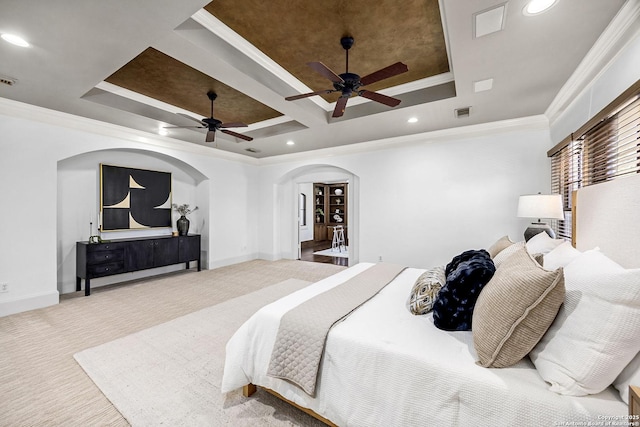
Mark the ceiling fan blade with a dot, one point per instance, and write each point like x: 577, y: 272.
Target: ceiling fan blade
x: 341, y: 104
x: 234, y: 125
x: 211, y: 136
x: 385, y: 73
x: 186, y: 116
x: 184, y: 127
x: 306, y: 95
x: 378, y: 97
x: 325, y: 71
x: 237, y: 135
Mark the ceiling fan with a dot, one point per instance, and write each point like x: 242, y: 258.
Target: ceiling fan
x: 347, y: 83
x: 212, y: 124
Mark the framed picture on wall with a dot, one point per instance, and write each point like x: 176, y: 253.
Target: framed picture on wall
x: 133, y: 199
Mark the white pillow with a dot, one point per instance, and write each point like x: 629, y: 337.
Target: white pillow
x: 560, y: 256
x: 595, y: 334
x: 629, y: 376
x: 542, y: 243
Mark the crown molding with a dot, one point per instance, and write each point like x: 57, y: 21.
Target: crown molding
x: 538, y: 122
x: 621, y: 30
x: 30, y: 112
x: 26, y: 111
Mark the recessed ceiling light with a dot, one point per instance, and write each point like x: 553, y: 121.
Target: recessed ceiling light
x: 535, y: 7
x: 13, y: 39
x: 412, y: 120
x: 291, y: 143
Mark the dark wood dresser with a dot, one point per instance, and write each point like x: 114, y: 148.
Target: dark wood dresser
x: 127, y: 255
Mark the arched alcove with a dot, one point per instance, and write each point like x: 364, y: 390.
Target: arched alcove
x: 285, y: 233
x: 78, y: 203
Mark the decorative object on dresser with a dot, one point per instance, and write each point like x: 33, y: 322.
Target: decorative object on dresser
x: 127, y: 255
x: 540, y: 206
x: 134, y: 198
x: 182, y: 224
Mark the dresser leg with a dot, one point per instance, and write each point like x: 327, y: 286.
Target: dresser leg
x: 87, y: 287
x: 78, y: 284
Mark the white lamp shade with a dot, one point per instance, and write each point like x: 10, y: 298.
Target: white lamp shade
x: 540, y: 206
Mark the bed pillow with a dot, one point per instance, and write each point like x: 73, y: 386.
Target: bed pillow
x: 507, y: 252
x: 425, y: 290
x: 595, y: 334
x: 542, y: 243
x: 630, y: 375
x: 466, y: 274
x: 502, y: 243
x: 515, y: 309
x: 562, y: 255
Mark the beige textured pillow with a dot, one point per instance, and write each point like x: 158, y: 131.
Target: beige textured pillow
x: 507, y: 252
x: 503, y: 243
x: 515, y: 309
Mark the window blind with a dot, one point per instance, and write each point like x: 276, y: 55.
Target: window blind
x: 606, y: 150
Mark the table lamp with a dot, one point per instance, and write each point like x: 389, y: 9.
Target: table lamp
x: 539, y: 206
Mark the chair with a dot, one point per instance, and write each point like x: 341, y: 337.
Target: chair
x: 338, y: 241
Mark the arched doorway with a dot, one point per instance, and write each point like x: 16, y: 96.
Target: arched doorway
x: 286, y: 230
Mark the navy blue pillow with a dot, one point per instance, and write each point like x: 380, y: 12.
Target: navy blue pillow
x: 467, y: 274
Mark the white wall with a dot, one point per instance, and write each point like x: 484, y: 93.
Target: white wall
x: 421, y: 203
x: 36, y: 261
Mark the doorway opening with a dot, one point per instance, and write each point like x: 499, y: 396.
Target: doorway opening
x: 328, y: 241
x: 290, y: 236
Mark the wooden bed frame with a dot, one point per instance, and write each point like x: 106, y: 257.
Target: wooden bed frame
x: 249, y: 389
x: 595, y: 220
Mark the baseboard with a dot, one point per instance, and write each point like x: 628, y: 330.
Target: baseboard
x: 231, y: 261
x: 29, y: 302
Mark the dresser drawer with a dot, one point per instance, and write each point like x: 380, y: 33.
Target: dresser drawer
x: 106, y: 269
x: 99, y: 257
x: 98, y: 247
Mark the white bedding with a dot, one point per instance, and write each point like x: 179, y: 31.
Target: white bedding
x: 384, y: 366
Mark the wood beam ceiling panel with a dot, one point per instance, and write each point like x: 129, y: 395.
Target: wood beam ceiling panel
x: 295, y: 32
x: 159, y: 76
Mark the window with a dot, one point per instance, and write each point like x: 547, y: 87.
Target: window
x: 605, y: 148
x: 302, y: 209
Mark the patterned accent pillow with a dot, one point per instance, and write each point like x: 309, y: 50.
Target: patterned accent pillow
x: 425, y: 290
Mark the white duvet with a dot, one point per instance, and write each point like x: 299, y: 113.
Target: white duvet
x: 383, y: 366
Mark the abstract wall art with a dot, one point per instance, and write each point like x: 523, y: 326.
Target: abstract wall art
x: 134, y: 198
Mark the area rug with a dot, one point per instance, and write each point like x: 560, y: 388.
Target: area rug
x: 334, y: 252
x: 170, y: 374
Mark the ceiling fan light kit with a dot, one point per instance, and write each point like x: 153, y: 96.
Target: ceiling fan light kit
x: 349, y: 83
x: 212, y: 124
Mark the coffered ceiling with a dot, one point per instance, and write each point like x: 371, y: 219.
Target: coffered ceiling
x: 146, y: 64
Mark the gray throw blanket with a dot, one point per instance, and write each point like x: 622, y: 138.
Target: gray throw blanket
x: 303, y: 329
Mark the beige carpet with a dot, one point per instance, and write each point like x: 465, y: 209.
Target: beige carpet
x: 170, y: 374
x: 42, y: 385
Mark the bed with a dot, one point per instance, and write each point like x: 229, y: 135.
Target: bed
x: 383, y: 365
